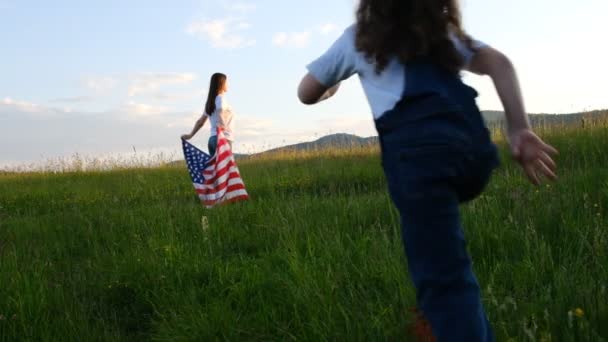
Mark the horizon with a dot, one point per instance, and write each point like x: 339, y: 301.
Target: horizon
x: 109, y: 79
x: 79, y: 162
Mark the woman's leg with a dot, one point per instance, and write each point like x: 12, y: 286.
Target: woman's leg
x: 212, y: 145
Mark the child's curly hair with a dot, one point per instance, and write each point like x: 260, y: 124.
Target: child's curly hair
x: 409, y: 29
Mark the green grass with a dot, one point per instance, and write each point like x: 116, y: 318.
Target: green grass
x: 314, y: 255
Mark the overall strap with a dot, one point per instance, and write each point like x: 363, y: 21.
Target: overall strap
x: 428, y: 90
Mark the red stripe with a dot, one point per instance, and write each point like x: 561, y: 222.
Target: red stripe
x: 210, y: 167
x: 221, y: 187
x: 224, y: 155
x: 209, y: 171
x: 215, y: 182
x: 220, y: 173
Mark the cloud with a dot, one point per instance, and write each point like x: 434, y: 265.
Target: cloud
x: 8, y: 104
x: 145, y: 83
x: 132, y: 85
x: 143, y: 110
x: 9, y: 107
x: 249, y: 127
x: 301, y: 39
x: 222, y: 33
x: 292, y: 39
x: 101, y: 84
x: 242, y: 7
x: 53, y: 132
x: 175, y: 97
x: 74, y: 99
x: 328, y: 28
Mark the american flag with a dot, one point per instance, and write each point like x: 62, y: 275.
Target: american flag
x: 216, y: 178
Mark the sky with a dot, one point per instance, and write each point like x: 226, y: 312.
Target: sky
x: 127, y: 77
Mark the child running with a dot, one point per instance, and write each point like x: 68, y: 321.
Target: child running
x: 436, y: 150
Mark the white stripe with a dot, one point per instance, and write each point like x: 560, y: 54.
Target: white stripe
x: 211, y: 171
x: 221, y: 194
x: 222, y: 164
x: 236, y: 193
x: 213, y: 197
x: 218, y: 166
x: 211, y: 187
x: 222, y: 148
x: 228, y: 197
x: 224, y: 177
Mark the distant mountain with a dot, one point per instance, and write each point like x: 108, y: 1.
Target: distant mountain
x: 493, y: 118
x: 339, y: 140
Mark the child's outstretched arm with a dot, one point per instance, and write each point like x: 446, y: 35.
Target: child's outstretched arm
x: 527, y: 148
x: 312, y: 91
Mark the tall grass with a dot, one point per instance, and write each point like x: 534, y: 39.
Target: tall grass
x: 130, y: 254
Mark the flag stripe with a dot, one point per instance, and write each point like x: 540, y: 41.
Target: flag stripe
x: 225, y: 159
x: 233, y: 179
x: 221, y: 187
x: 231, y: 197
x: 218, y: 195
x: 217, y: 177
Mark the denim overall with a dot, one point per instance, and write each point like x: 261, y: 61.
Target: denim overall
x: 436, y: 154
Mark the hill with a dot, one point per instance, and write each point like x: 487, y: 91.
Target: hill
x: 338, y: 140
x: 497, y: 118
x: 494, y: 119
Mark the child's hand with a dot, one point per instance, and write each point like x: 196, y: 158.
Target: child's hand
x: 187, y: 136
x: 533, y: 155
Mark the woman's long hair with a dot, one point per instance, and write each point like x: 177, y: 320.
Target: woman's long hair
x: 410, y: 29
x: 215, y: 86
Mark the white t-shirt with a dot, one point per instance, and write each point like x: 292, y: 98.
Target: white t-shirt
x: 383, y: 90
x: 223, y: 114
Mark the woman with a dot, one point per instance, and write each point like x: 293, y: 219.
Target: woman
x: 218, y: 111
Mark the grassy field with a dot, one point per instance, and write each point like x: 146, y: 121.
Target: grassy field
x: 315, y: 255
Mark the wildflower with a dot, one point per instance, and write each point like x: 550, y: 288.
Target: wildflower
x: 578, y: 312
x: 204, y: 223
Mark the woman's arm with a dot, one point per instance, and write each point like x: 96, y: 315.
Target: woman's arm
x: 526, y: 147
x: 312, y: 91
x: 197, y: 126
